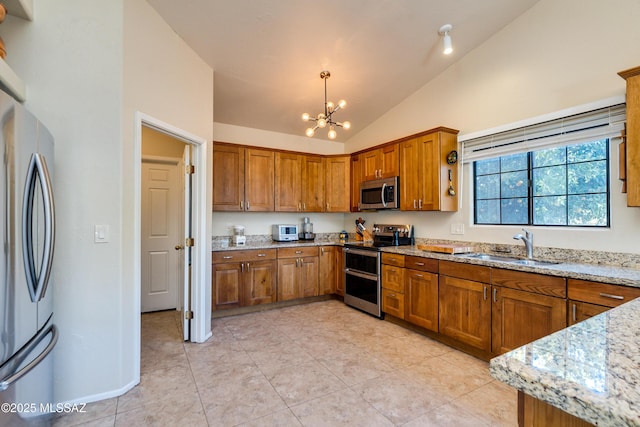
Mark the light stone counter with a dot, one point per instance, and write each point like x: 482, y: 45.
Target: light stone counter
x: 590, y: 370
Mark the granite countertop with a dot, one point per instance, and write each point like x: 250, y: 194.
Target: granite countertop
x: 590, y: 370
x: 612, y: 274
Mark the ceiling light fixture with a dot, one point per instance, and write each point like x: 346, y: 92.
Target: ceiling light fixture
x: 444, y: 31
x: 326, y: 118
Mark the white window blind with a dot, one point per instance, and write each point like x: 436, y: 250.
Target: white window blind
x: 589, y: 126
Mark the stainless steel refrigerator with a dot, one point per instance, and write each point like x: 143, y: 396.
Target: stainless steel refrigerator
x: 27, y: 230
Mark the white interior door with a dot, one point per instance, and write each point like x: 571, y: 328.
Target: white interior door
x: 161, y: 241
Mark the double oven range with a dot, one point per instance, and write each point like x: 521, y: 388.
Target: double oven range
x: 362, y: 262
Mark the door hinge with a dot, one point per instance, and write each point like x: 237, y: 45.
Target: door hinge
x: 190, y: 169
x: 189, y: 241
x: 188, y: 315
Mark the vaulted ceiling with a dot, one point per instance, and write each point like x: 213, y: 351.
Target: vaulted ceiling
x: 267, y: 55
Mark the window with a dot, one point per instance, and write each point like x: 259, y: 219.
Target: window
x: 559, y: 186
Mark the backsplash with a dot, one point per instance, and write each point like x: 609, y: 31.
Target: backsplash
x: 618, y: 259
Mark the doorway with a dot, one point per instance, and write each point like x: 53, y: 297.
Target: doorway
x: 196, y: 326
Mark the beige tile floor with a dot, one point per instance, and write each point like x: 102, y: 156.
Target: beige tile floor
x: 320, y: 364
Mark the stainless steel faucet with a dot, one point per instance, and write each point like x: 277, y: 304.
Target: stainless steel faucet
x: 528, y: 241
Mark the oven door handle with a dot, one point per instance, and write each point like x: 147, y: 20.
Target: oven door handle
x: 361, y: 275
x: 363, y: 252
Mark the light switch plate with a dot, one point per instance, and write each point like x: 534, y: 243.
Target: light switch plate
x: 457, y: 228
x: 101, y: 234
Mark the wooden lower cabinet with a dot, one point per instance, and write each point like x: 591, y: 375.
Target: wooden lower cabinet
x: 588, y: 299
x: 579, y: 311
x: 393, y: 286
x: 297, y: 273
x: 533, y: 412
x: 465, y: 311
x: 243, y: 278
x: 421, y: 297
x: 519, y: 317
x: 340, y: 271
x: 328, y: 270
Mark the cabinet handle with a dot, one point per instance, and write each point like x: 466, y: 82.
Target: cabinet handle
x: 392, y: 295
x: 321, y: 251
x: 227, y: 257
x: 573, y: 312
x: 242, y: 267
x: 327, y: 206
x: 419, y: 203
x: 298, y: 252
x: 421, y: 264
x: 418, y: 275
x: 618, y: 297
x: 304, y: 206
x: 495, y: 295
x: 241, y: 205
x: 414, y: 204
x: 248, y: 207
x: 247, y: 266
x: 262, y: 255
x: 484, y: 293
x: 297, y: 262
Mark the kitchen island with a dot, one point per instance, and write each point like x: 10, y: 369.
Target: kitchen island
x: 589, y: 370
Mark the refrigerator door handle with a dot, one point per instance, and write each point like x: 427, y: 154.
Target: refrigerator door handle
x: 37, y: 173
x: 17, y: 359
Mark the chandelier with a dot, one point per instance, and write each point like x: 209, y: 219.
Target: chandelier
x: 326, y: 118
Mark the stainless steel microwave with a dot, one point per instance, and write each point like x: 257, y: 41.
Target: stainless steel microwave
x: 380, y: 194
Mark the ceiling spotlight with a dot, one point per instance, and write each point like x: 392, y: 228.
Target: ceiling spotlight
x: 326, y: 118
x: 446, y: 39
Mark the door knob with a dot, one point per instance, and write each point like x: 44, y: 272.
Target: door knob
x: 179, y: 247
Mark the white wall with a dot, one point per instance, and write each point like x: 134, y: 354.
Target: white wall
x: 557, y: 55
x: 77, y: 69
x: 70, y: 58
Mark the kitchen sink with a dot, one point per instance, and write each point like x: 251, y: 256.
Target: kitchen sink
x: 512, y: 260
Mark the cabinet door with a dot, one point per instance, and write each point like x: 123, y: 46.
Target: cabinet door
x: 356, y: 179
x: 579, y: 311
x: 259, y: 285
x: 340, y: 272
x: 288, y: 188
x: 288, y: 284
x: 421, y: 299
x: 465, y: 311
x: 308, y: 276
x: 227, y: 281
x: 393, y: 303
x: 393, y: 278
x: 337, y: 197
x: 389, y: 163
x: 370, y: 164
x: 228, y: 178
x: 410, y: 167
x: 519, y: 317
x: 328, y: 272
x: 429, y: 173
x: 312, y: 184
x: 259, y: 180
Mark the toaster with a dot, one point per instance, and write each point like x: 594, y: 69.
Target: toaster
x: 284, y: 232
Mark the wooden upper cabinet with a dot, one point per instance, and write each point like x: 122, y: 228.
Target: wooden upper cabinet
x: 288, y: 188
x: 337, y: 184
x: 632, y: 76
x: 380, y: 162
x: 427, y: 181
x: 356, y: 179
x: 313, y: 183
x: 228, y: 178
x: 259, y: 180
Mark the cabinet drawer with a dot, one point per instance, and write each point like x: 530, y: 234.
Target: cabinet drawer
x: 393, y: 303
x: 601, y: 293
x: 393, y: 259
x: 393, y: 278
x: 578, y: 311
x: 477, y: 273
x: 299, y: 252
x: 422, y: 264
x: 531, y: 282
x: 241, y: 256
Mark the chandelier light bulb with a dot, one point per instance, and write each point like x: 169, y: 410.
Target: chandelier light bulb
x: 346, y: 124
x: 305, y: 117
x: 332, y: 133
x: 330, y: 105
x: 310, y: 132
x: 342, y: 103
x: 322, y: 122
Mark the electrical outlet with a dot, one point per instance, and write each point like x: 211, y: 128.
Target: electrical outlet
x: 457, y: 228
